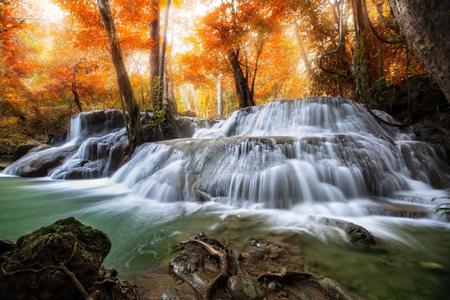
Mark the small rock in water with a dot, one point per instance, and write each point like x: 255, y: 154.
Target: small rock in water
x: 432, y: 266
x: 359, y: 235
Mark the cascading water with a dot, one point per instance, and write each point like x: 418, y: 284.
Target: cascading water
x: 325, y: 156
x: 96, y: 142
x: 287, y: 154
x: 82, y: 155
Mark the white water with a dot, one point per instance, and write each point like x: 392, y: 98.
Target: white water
x: 312, y: 159
x: 284, y: 154
x: 87, y: 150
x: 291, y: 162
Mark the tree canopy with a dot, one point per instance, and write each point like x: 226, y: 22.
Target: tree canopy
x: 55, y: 58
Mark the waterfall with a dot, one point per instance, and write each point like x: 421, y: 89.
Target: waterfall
x: 88, y: 153
x: 94, y: 123
x: 285, y: 154
x: 318, y: 151
x: 96, y: 142
x: 75, y: 128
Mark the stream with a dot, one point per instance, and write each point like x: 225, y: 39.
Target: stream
x: 271, y: 172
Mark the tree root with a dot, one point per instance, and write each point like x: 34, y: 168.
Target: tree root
x: 232, y: 265
x: 60, y: 267
x: 284, y: 276
x: 224, y: 263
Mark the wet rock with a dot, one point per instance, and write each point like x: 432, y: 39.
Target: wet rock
x: 419, y: 98
x: 82, y: 173
x: 332, y: 289
x: 101, y: 121
x: 186, y: 126
x: 41, y: 147
x: 59, y: 261
x: 245, y: 288
x: 6, y: 147
x: 401, y: 210
x: 57, y: 140
x: 358, y: 236
x: 23, y: 149
x: 41, y: 167
x: 117, y: 155
x: 80, y: 248
x: 442, y: 210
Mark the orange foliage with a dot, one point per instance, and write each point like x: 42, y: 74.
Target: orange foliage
x: 41, y: 62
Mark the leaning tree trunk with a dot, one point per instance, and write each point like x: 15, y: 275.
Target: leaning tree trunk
x: 426, y: 25
x: 241, y: 83
x: 155, y: 89
x: 132, y: 115
x: 76, y: 96
x: 73, y: 87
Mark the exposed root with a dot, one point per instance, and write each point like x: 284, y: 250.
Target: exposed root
x: 220, y: 254
x: 284, y: 276
x: 235, y: 280
x: 61, y: 267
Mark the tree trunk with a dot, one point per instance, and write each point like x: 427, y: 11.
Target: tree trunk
x: 162, y: 65
x: 73, y: 86
x: 219, y: 96
x: 241, y: 83
x: 304, y: 56
x: 132, y: 115
x: 426, y: 25
x: 76, y: 96
x: 154, y: 57
x: 361, y: 59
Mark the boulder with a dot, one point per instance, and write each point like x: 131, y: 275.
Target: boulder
x: 41, y: 167
x: 32, y: 269
x: 357, y: 235
x: 41, y: 147
x: 59, y: 261
x: 23, y: 149
x: 101, y: 121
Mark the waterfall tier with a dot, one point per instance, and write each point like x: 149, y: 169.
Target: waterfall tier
x: 287, y: 153
x: 95, y: 147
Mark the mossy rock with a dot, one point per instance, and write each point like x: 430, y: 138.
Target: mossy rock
x: 29, y: 269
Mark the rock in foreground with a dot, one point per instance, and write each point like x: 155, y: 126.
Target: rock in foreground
x: 60, y: 261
